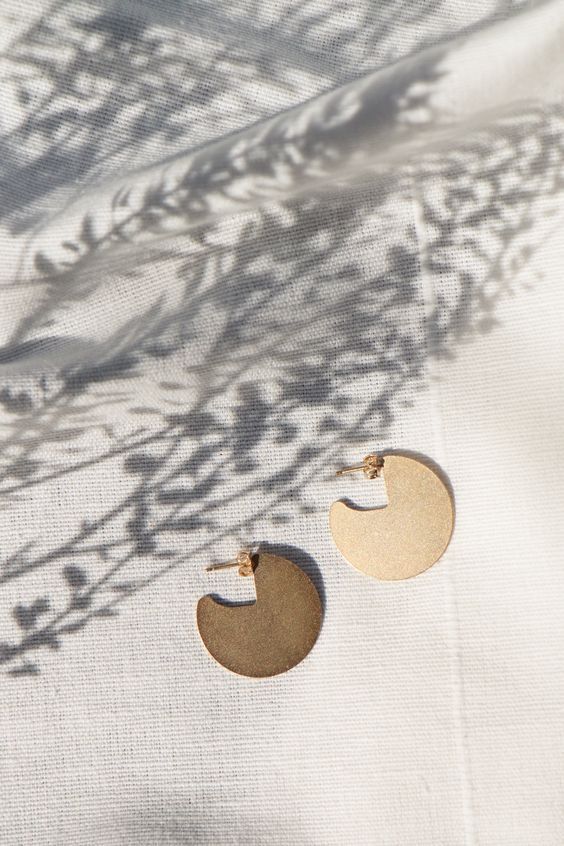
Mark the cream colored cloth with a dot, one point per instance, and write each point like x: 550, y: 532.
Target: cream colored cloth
x: 243, y: 243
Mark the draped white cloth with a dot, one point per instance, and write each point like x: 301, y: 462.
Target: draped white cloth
x: 243, y: 243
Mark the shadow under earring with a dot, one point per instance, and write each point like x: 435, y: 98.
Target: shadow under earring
x: 271, y: 635
x: 407, y: 536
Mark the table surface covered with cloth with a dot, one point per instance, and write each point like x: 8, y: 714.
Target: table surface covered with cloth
x: 244, y: 243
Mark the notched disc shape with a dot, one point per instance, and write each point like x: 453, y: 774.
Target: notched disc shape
x: 405, y: 537
x: 271, y: 635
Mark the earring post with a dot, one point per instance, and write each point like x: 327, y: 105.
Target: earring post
x: 350, y: 470
x: 371, y: 466
x: 223, y: 566
x: 243, y: 561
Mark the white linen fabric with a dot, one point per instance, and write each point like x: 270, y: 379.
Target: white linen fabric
x: 242, y: 244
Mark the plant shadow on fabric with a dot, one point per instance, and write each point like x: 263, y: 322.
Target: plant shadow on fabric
x: 245, y: 356
x: 93, y: 88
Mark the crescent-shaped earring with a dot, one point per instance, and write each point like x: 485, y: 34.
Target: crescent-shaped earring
x: 271, y: 635
x: 409, y: 534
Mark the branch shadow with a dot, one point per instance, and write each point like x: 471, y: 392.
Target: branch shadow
x: 280, y: 309
x: 92, y: 87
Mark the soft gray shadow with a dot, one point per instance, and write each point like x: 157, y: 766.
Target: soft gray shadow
x: 217, y: 411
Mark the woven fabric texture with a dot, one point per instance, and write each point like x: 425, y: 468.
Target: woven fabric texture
x: 245, y: 243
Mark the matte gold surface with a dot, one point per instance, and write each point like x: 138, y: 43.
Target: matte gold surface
x: 405, y: 537
x: 274, y: 633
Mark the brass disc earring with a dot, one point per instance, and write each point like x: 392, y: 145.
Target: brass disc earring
x: 407, y: 536
x: 271, y: 635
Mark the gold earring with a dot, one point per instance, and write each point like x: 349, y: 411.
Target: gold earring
x: 271, y: 635
x: 405, y: 537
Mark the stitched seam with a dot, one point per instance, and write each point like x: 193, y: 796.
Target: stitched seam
x: 458, y: 693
